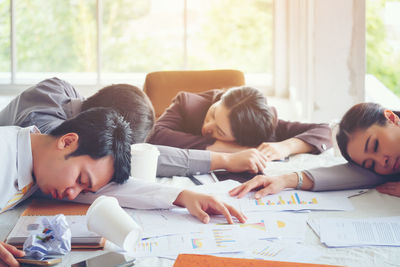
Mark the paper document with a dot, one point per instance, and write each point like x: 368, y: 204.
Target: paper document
x: 314, y: 224
x: 218, y: 188
x: 281, y: 251
x: 283, y: 225
x: 342, y: 232
x: 293, y: 200
x: 180, y: 221
x: 220, y: 239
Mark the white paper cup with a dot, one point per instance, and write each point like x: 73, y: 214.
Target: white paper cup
x: 144, y: 161
x: 106, y: 218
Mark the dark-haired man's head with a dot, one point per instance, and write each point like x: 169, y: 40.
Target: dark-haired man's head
x: 131, y: 102
x: 84, y: 153
x: 242, y: 116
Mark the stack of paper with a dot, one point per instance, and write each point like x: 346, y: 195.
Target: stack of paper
x: 265, y: 225
x: 269, y: 233
x: 344, y: 232
x: 293, y: 200
x: 280, y: 251
x: 288, y: 200
x: 220, y: 239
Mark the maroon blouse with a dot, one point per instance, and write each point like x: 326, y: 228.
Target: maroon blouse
x: 180, y: 125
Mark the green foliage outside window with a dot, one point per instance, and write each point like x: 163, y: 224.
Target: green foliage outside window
x: 382, y: 60
x: 4, y: 36
x: 61, y: 36
x: 240, y: 35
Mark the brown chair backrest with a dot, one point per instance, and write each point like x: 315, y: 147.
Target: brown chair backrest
x: 162, y: 86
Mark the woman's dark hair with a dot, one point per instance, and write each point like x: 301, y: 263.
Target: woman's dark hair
x: 359, y: 117
x: 131, y: 102
x: 102, y: 132
x: 252, y: 120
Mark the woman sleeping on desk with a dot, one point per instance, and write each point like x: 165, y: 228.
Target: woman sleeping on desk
x: 236, y: 120
x: 368, y: 138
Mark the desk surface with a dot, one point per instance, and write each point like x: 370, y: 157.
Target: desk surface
x: 9, y: 218
x: 370, y: 204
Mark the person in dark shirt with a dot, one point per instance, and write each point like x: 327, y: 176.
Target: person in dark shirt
x: 235, y: 120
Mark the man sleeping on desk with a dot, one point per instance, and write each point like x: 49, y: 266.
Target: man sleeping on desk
x: 83, y: 154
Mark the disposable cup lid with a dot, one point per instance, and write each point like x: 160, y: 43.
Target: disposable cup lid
x: 143, y: 148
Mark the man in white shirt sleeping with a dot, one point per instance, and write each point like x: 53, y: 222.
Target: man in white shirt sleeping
x: 83, y: 154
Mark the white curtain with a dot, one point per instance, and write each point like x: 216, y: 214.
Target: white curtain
x: 320, y: 55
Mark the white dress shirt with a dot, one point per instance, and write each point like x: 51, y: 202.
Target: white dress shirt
x: 16, y: 162
x: 136, y: 193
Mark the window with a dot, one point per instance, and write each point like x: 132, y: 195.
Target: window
x: 5, y: 44
x: 104, y: 41
x: 383, y: 44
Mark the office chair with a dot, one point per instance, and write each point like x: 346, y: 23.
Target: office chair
x: 162, y: 86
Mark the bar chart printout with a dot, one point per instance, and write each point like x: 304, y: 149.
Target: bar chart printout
x: 226, y: 237
x: 295, y: 200
x: 223, y: 237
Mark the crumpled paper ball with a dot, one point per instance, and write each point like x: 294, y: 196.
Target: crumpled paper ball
x: 53, y: 239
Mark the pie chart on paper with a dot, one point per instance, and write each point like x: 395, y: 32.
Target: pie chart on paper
x: 280, y: 224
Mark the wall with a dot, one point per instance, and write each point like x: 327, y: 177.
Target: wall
x: 339, y: 57
x: 326, y: 51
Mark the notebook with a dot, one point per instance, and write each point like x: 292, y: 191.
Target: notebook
x: 75, y: 213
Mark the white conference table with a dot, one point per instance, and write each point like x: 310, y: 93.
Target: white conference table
x: 370, y: 204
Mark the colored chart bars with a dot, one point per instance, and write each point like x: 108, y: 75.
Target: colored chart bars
x: 259, y: 225
x: 268, y: 251
x: 197, y: 243
x: 294, y: 199
x: 146, y: 246
x: 223, y: 237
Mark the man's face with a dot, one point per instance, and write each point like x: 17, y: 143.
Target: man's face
x: 62, y: 176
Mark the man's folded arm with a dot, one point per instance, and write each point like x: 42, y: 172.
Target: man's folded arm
x: 182, y: 162
x: 137, y: 194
